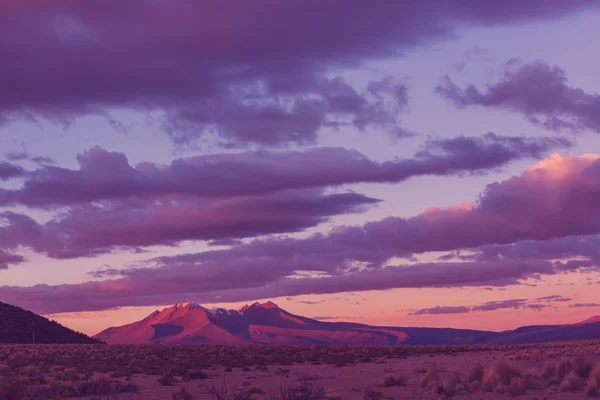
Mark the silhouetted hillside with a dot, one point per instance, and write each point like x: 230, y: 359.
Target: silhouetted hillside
x: 18, y: 326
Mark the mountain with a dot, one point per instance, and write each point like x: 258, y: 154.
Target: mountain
x: 588, y: 329
x: 267, y: 323
x: 19, y: 326
x: 591, y: 320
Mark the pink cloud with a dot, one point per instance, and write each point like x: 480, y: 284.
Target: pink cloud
x: 232, y: 74
x: 536, y: 90
x: 230, y: 282
x: 556, y: 198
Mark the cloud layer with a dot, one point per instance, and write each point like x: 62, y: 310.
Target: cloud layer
x: 236, y: 75
x: 535, y: 304
x: 104, y: 175
x: 520, y: 217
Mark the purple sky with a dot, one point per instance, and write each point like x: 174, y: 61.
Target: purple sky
x: 396, y: 164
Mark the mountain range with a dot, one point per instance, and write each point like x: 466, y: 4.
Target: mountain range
x: 266, y: 323
x: 21, y: 326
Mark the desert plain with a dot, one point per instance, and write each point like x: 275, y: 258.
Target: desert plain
x: 304, y: 372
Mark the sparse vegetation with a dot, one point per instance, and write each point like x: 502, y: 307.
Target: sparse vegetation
x: 106, y: 372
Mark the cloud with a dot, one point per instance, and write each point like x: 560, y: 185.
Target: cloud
x: 311, y: 303
x: 94, y: 229
x: 442, y: 310
x: 8, y: 171
x: 554, y: 298
x: 333, y: 318
x: 104, y: 175
x: 553, y: 199
x: 580, y: 252
x: 585, y: 305
x: 236, y: 280
x: 7, y: 259
x: 216, y: 72
x: 16, y: 156
x: 537, y: 91
x: 112, y: 205
x: 497, y: 305
x: 488, y: 306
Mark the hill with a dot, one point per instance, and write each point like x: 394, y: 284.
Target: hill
x: 19, y: 326
x: 584, y: 330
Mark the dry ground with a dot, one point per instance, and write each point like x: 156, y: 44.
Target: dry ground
x: 552, y: 371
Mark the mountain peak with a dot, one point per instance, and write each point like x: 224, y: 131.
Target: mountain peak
x: 267, y: 304
x: 189, y: 305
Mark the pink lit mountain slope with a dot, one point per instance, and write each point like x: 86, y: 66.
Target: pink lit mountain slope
x: 266, y: 323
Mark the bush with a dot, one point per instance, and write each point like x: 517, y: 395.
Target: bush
x: 183, y: 394
x: 592, y: 388
x: 395, y: 381
x: 477, y: 373
x: 370, y: 393
x: 166, y: 380
x: 499, y: 378
x: 431, y: 379
x: 571, y: 382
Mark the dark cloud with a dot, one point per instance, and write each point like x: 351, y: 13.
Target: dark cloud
x: 8, y: 171
x: 497, y: 305
x: 16, y: 156
x: 585, y: 305
x: 104, y: 175
x: 554, y: 298
x: 236, y: 280
x: 90, y: 230
x: 443, y: 310
x: 538, y: 91
x: 8, y: 259
x: 234, y: 73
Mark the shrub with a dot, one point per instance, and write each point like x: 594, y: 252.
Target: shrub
x: 395, y: 381
x: 581, y: 366
x: 499, y: 377
x: 166, y: 380
x: 195, y: 375
x: 476, y: 373
x: 371, y: 393
x: 305, y: 390
x: 593, y: 384
x: 183, y: 394
x: 571, y: 382
x: 430, y: 379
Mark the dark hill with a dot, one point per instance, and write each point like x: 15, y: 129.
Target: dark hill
x: 18, y: 326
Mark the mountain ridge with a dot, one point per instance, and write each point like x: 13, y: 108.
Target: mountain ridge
x: 267, y: 323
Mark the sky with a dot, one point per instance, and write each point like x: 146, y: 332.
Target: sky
x: 430, y: 163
